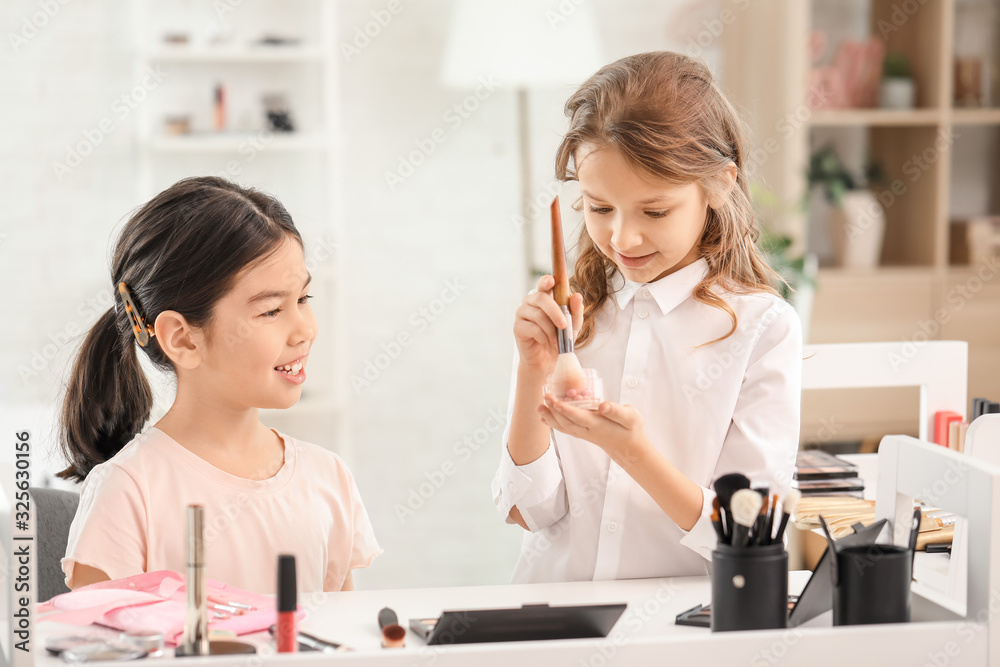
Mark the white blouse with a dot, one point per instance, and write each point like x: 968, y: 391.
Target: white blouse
x: 732, y: 406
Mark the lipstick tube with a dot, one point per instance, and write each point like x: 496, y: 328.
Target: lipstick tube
x: 286, y: 633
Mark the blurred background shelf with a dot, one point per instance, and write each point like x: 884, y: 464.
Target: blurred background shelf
x: 869, y: 117
x: 233, y: 142
x: 939, y: 164
x: 250, y: 54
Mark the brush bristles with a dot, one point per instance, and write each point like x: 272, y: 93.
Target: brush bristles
x: 727, y: 485
x: 746, y: 505
x: 792, y: 499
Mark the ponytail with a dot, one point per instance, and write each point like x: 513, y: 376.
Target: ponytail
x: 108, y: 398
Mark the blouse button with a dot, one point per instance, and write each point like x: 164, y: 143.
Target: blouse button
x: 612, y: 526
x: 644, y: 293
x: 643, y: 314
x: 513, y: 487
x: 632, y: 383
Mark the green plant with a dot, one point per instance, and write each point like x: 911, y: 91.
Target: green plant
x: 776, y: 246
x: 896, y: 66
x: 827, y: 170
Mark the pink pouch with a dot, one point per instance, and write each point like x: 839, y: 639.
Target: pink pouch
x: 155, y: 601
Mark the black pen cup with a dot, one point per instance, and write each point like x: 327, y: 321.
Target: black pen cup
x: 749, y: 588
x: 873, y: 585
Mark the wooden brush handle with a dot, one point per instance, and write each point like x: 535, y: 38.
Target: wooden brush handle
x: 561, y: 291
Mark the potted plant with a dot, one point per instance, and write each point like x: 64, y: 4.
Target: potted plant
x: 898, y: 90
x: 857, y: 220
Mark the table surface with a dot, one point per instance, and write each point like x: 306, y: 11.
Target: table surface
x: 645, y: 630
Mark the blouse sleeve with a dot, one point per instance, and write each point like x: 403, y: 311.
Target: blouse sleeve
x: 538, y: 489
x: 109, y: 529
x: 763, y: 437
x: 364, y: 546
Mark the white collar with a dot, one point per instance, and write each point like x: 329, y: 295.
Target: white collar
x: 668, y: 292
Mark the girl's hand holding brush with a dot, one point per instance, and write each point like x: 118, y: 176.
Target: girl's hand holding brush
x: 536, y: 323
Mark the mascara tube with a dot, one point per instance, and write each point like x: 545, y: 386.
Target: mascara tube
x: 195, y: 639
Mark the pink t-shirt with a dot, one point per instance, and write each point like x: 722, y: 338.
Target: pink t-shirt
x: 132, y: 517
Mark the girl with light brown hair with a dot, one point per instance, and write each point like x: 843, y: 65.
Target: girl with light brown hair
x: 675, y: 309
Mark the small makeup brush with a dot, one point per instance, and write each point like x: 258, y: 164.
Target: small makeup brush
x: 769, y: 523
x: 746, y: 505
x: 717, y: 521
x: 568, y: 367
x: 788, y: 506
x: 758, y: 527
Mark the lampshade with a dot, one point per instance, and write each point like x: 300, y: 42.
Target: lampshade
x: 521, y: 43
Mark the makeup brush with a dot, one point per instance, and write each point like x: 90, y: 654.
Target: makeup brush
x: 568, y: 369
x: 717, y: 521
x: 758, y: 526
x: 393, y: 634
x: 725, y: 486
x: 788, y: 506
x: 769, y: 523
x: 914, y: 532
x: 746, y: 505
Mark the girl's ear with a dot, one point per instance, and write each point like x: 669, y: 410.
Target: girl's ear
x: 181, y: 342
x: 727, y: 181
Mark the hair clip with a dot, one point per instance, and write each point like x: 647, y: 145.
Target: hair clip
x: 143, y: 332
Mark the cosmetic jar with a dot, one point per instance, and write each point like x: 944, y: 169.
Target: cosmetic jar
x: 582, y: 390
x: 150, y: 641
x: 102, y: 651
x: 749, y: 587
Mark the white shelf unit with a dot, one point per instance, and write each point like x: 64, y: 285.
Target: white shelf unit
x: 300, y: 168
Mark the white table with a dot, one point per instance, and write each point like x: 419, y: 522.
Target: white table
x: 645, y: 633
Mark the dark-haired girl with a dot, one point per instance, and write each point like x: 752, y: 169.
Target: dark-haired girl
x: 211, y: 285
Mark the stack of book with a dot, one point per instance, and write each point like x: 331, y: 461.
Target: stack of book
x: 820, y: 473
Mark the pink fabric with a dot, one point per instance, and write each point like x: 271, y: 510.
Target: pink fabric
x: 154, y: 601
x: 132, y: 517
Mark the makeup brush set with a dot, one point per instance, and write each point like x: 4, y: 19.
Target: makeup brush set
x: 749, y: 564
x: 744, y: 516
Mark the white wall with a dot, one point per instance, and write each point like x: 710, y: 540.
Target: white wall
x: 452, y: 220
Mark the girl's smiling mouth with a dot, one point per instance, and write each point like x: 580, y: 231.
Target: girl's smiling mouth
x: 634, y: 262
x: 294, y: 370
